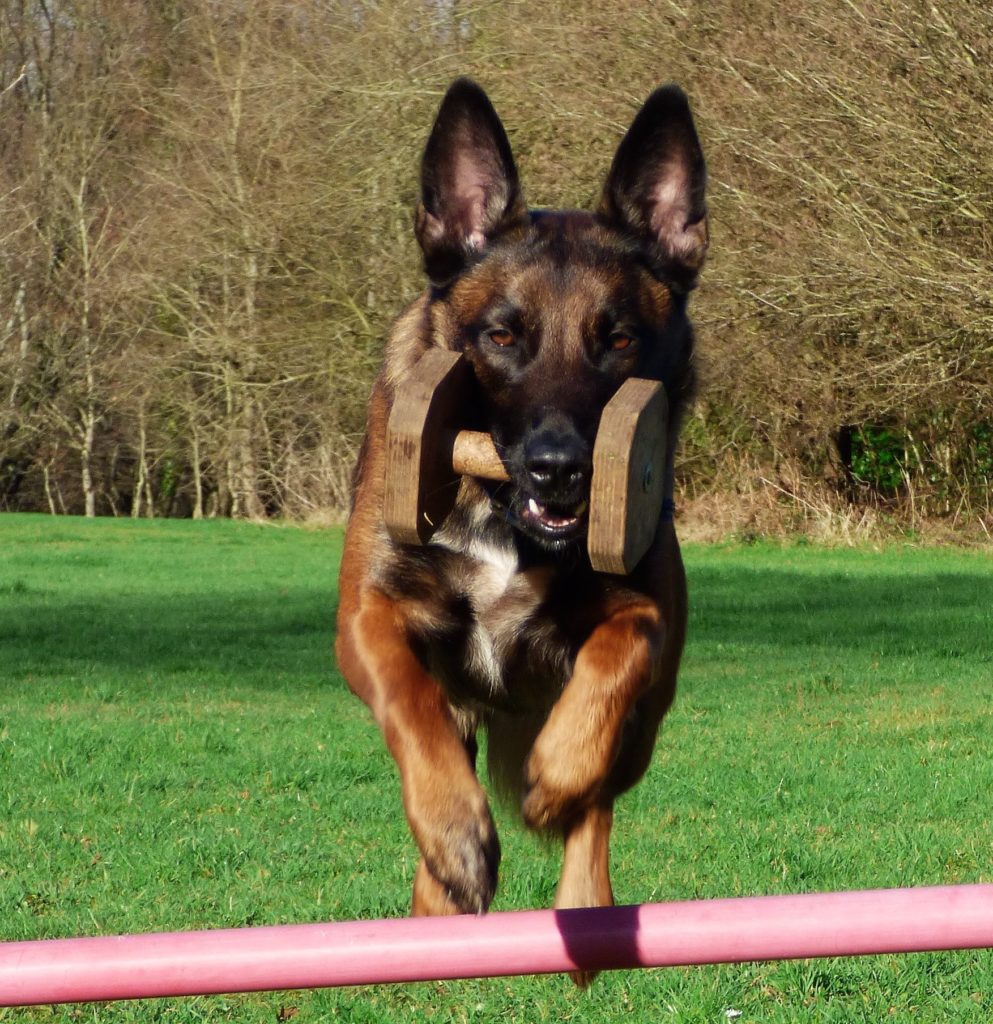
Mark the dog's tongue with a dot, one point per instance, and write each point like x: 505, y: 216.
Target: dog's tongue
x: 554, y: 520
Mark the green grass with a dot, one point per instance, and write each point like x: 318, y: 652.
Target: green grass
x: 177, y: 751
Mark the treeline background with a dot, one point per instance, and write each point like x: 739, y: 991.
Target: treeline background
x: 205, y: 230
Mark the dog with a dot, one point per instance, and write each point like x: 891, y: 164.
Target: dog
x: 499, y: 622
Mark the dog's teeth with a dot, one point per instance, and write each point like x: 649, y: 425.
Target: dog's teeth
x: 559, y: 522
x: 552, y: 520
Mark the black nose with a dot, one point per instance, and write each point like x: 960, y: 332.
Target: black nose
x: 556, y: 462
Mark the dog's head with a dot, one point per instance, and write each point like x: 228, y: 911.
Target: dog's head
x: 555, y: 309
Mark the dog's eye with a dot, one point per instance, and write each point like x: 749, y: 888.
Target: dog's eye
x: 501, y: 336
x: 620, y: 340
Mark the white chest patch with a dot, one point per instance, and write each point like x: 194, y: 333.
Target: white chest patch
x: 494, y: 570
x: 502, y: 598
x: 492, y: 578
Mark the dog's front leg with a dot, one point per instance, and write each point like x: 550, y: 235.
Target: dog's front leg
x: 573, y: 754
x: 445, y: 805
x: 585, y: 879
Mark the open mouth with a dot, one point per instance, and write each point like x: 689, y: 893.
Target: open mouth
x: 554, y: 521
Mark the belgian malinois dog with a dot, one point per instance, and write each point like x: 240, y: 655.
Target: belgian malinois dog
x: 500, y: 622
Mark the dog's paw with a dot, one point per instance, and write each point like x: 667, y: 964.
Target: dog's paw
x: 462, y: 852
x: 583, y: 979
x: 555, y: 788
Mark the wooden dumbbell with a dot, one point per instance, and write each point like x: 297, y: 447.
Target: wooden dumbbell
x: 426, y: 454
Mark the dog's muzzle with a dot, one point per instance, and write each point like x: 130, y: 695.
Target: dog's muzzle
x: 553, y: 482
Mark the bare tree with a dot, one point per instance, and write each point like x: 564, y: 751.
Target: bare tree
x: 205, y: 219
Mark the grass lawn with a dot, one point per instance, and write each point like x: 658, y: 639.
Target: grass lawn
x: 178, y: 752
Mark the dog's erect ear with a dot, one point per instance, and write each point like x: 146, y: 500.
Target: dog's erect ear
x: 655, y: 188
x: 469, y: 187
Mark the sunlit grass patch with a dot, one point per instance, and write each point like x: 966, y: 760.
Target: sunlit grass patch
x: 177, y: 750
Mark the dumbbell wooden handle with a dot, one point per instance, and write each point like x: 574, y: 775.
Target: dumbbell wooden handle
x: 475, y: 454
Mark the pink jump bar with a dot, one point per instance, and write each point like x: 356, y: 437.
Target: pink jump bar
x: 520, y: 942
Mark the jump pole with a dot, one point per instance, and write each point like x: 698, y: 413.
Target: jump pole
x: 498, y: 944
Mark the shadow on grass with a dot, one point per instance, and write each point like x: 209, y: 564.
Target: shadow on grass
x: 942, y: 614
x: 254, y: 636
x: 289, y: 631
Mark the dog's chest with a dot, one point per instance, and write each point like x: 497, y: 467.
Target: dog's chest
x: 508, y: 652
x: 504, y: 602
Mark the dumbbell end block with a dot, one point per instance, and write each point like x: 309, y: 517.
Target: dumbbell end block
x: 421, y: 485
x: 628, y: 484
